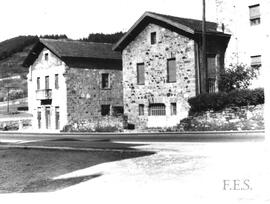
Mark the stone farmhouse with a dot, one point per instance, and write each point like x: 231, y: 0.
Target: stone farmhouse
x: 248, y: 23
x: 73, y: 83
x: 162, y: 67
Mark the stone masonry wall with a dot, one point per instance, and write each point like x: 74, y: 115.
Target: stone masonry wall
x: 237, y: 118
x: 156, y: 89
x: 85, y: 96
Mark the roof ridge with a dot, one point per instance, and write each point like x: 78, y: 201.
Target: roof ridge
x: 165, y: 15
x: 75, y: 41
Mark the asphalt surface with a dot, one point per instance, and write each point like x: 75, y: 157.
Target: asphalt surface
x: 215, y: 136
x: 177, y: 172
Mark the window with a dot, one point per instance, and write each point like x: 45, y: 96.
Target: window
x: 157, y: 109
x: 140, y: 74
x: 254, y: 14
x: 171, y: 70
x: 141, y: 109
x: 38, y: 83
x: 47, y: 82
x: 48, y: 117
x: 153, y: 38
x: 117, y: 110
x: 255, y: 61
x: 46, y: 56
x: 105, y: 82
x: 56, y: 81
x: 57, y: 118
x: 105, y: 110
x: 39, y: 118
x: 173, y: 109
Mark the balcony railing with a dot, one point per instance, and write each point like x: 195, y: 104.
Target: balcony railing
x: 43, y: 94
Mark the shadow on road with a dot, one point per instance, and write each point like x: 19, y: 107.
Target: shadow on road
x: 49, y: 185
x: 33, y: 170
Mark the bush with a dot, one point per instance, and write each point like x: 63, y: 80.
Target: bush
x: 237, y: 76
x: 221, y: 100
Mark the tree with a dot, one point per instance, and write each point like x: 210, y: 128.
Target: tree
x: 56, y: 37
x: 237, y: 76
x: 103, y: 38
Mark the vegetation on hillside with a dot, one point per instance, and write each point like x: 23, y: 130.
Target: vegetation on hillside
x: 14, y: 45
x: 105, y: 38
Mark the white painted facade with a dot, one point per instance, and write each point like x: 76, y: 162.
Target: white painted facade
x: 247, y: 40
x: 47, y: 68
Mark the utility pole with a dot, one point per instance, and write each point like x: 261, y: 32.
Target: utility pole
x: 204, y: 59
x: 8, y: 99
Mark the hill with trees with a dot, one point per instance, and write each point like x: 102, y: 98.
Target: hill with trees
x: 104, y: 38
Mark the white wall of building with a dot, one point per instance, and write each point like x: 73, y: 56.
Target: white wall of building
x: 246, y: 40
x: 42, y: 68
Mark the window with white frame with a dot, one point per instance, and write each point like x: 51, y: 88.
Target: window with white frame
x: 255, y: 61
x: 254, y: 14
x: 38, y: 83
x: 56, y: 81
x: 157, y: 109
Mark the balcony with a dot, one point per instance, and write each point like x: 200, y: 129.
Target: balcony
x: 43, y: 94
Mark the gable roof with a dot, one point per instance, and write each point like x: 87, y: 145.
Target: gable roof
x: 187, y: 26
x: 71, y: 49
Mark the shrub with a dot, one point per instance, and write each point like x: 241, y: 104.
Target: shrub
x: 221, y: 100
x: 237, y: 76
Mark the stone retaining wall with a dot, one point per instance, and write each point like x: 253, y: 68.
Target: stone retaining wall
x: 236, y: 118
x: 99, y: 124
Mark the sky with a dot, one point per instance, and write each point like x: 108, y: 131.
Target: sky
x: 78, y: 18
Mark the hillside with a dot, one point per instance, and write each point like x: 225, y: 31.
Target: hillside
x: 12, y: 54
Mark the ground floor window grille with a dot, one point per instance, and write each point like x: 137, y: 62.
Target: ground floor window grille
x: 157, y: 109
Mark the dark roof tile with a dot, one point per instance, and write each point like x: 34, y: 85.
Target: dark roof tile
x: 79, y: 49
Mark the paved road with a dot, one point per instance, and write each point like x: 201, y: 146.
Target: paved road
x: 178, y: 172
x: 156, y: 137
